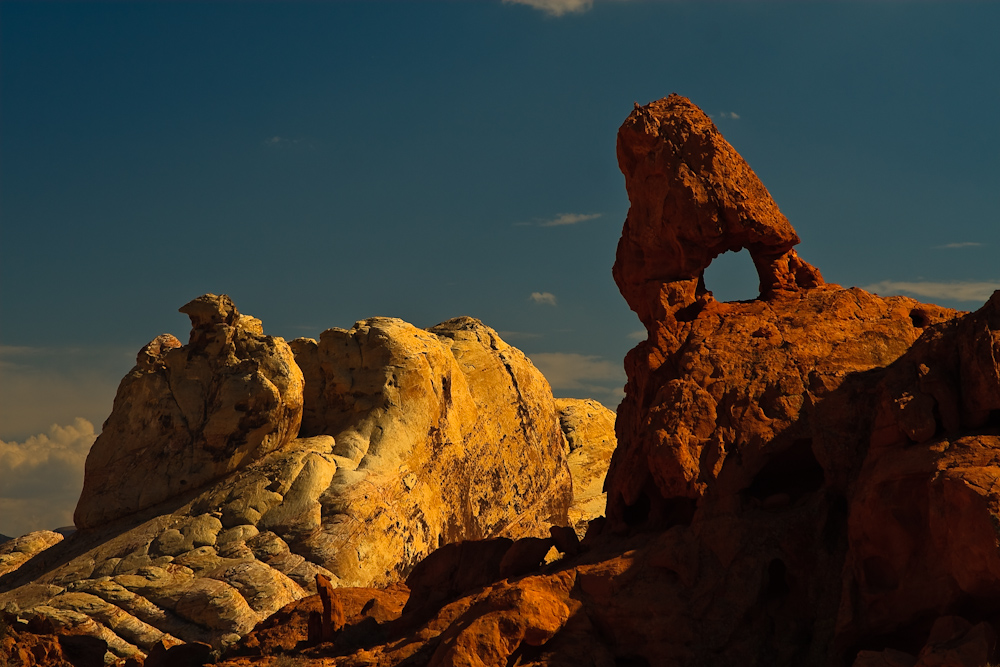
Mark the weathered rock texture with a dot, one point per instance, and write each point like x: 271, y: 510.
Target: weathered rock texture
x: 808, y: 478
x: 16, y: 552
x: 441, y: 435
x: 590, y: 431
x: 411, y: 439
x: 187, y: 415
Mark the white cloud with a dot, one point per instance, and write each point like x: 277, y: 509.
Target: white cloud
x: 726, y: 114
x: 568, y: 219
x: 555, y: 7
x: 964, y: 244
x: 41, y: 478
x: 638, y: 335
x: 956, y: 291
x: 544, y: 298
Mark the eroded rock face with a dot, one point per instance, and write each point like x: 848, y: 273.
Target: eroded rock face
x: 412, y: 439
x: 441, y: 435
x: 189, y: 414
x: 15, y: 552
x: 808, y: 478
x: 590, y: 431
x: 692, y: 198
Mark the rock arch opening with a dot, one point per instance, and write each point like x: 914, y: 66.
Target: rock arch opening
x: 732, y: 276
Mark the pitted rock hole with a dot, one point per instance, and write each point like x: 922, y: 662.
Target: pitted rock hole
x: 732, y: 276
x: 920, y: 318
x: 793, y: 473
x: 776, y: 586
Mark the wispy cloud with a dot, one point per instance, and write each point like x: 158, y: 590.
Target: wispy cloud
x: 725, y: 114
x: 543, y: 298
x: 568, y: 219
x: 561, y: 220
x: 638, y: 335
x: 963, y: 244
x: 555, y: 7
x: 278, y: 142
x: 956, y: 291
x: 41, y: 478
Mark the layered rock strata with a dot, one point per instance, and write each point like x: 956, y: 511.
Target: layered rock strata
x: 806, y: 478
x: 16, y: 552
x: 411, y: 439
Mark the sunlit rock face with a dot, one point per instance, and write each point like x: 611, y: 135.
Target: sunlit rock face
x: 186, y: 415
x: 590, y: 432
x: 207, y: 508
x: 441, y: 435
x: 807, y: 478
x: 17, y: 551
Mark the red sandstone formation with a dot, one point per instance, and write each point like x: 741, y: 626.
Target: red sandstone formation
x: 324, y: 626
x: 807, y: 478
x: 693, y: 198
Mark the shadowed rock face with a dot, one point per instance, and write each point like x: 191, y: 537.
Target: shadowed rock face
x: 186, y: 415
x: 808, y: 478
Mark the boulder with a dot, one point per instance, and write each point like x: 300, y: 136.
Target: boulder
x: 187, y: 415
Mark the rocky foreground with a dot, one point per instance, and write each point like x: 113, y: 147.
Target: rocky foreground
x: 807, y: 478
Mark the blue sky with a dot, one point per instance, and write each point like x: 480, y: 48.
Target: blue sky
x: 324, y: 162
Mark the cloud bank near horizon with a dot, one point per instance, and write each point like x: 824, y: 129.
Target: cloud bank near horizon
x: 41, y: 478
x: 956, y: 290
x: 582, y: 375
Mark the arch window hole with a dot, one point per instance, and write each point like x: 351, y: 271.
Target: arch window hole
x: 732, y: 276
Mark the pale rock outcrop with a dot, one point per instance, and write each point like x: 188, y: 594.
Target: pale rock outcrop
x: 186, y: 415
x: 411, y: 439
x: 17, y: 551
x: 441, y: 435
x: 590, y: 431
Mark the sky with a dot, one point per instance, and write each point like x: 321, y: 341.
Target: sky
x: 324, y: 162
